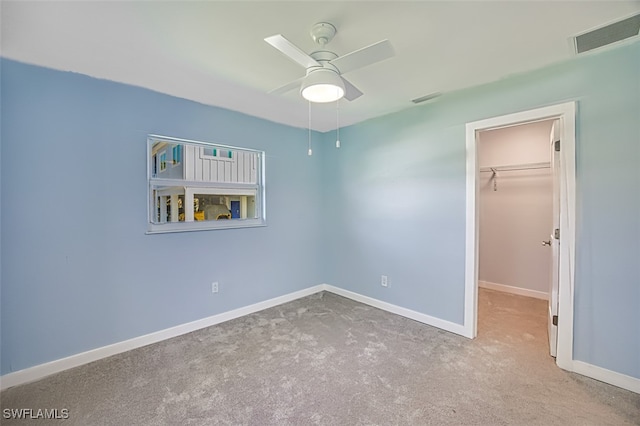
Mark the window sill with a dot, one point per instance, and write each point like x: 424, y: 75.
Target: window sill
x: 164, y: 228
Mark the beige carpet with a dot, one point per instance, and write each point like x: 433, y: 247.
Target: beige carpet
x: 328, y: 360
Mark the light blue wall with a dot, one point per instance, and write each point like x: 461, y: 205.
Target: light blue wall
x: 399, y: 185
x: 78, y: 271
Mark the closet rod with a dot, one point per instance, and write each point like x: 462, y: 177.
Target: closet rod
x: 525, y: 166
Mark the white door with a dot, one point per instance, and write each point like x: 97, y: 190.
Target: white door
x: 554, y: 241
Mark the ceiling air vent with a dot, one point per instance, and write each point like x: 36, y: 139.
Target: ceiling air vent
x: 612, y: 33
x: 426, y: 98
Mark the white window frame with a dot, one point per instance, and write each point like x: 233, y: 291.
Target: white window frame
x: 173, y: 188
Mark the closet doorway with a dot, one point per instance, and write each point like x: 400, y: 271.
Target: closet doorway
x: 516, y: 218
x: 561, y: 166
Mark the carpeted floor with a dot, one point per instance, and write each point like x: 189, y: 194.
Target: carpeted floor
x: 328, y: 360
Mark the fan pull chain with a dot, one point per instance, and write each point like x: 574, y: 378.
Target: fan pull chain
x: 310, y: 152
x: 338, y: 123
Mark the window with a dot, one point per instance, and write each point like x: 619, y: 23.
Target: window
x: 209, y: 186
x: 222, y: 154
x: 176, y: 153
x: 163, y: 161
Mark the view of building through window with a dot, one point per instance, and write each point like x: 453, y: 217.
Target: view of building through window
x: 196, y: 185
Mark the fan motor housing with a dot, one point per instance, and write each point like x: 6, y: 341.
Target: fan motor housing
x: 323, y: 56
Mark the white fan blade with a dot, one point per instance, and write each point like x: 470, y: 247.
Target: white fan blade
x: 292, y: 51
x: 287, y: 87
x: 362, y: 57
x: 351, y: 92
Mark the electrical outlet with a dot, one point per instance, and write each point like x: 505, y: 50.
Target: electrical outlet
x: 384, y: 280
x: 214, y: 287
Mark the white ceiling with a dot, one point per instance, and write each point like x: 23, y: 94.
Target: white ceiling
x: 213, y: 52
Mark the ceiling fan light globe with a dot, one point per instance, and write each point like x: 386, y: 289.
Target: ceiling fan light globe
x: 322, y: 93
x: 322, y: 86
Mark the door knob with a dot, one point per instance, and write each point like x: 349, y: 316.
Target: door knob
x: 546, y: 243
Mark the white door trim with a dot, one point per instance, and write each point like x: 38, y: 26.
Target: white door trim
x: 566, y: 113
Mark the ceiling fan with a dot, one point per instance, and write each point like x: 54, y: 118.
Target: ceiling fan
x: 324, y: 81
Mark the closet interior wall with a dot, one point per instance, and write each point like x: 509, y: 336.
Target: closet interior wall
x: 515, y: 209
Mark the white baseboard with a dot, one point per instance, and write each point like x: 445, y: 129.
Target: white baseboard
x: 514, y: 290
x: 398, y: 310
x: 602, y: 374
x: 42, y: 370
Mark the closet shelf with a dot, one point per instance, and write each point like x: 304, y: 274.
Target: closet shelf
x: 513, y: 167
